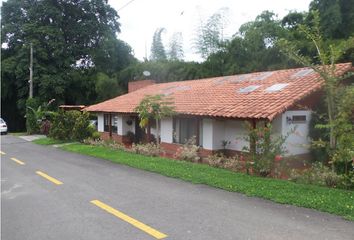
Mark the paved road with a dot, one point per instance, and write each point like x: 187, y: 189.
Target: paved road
x: 34, y: 207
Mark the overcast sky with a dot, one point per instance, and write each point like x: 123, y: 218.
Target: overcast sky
x: 140, y: 18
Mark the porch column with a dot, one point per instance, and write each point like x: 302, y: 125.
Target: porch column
x: 148, y: 136
x: 252, y: 139
x: 198, y: 132
x: 110, y: 125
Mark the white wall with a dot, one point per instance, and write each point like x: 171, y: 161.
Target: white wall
x: 122, y: 126
x: 277, y: 125
x: 298, y: 141
x: 125, y: 128
x: 215, y: 131
x: 235, y: 132
x: 207, y: 133
x: 100, y: 122
x: 166, y: 130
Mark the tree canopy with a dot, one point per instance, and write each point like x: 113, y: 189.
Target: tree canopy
x: 78, y: 58
x: 72, y: 40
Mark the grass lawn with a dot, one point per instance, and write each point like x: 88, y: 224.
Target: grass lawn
x: 330, y: 200
x: 49, y: 141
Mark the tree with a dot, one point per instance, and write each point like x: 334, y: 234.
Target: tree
x: 210, y: 35
x: 106, y: 87
x: 324, y: 65
x: 154, y: 107
x: 176, y: 48
x: 157, y: 49
x: 329, y: 14
x: 68, y: 37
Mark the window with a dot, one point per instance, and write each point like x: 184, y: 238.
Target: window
x: 106, y: 122
x: 299, y: 119
x: 263, y: 76
x: 302, y: 73
x: 276, y: 87
x: 186, y: 128
x: 114, y: 122
x: 248, y: 89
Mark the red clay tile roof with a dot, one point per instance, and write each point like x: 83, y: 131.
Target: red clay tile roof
x: 221, y: 96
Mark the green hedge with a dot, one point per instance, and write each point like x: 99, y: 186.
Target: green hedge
x: 71, y: 125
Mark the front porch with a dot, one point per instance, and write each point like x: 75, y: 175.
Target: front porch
x: 211, y: 134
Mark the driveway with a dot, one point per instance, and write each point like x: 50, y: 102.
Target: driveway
x: 48, y: 193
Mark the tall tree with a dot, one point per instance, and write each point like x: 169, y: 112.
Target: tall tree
x: 210, y: 35
x: 158, y: 52
x: 176, y: 47
x: 106, y: 87
x: 68, y: 36
x: 324, y: 64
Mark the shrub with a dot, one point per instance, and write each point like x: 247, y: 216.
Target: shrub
x: 32, y: 124
x: 321, y: 175
x: 82, y: 128
x: 216, y: 160
x: 189, y: 151
x: 264, y: 148
x: 96, y: 135
x: 45, y: 127
x: 233, y: 163
x: 71, y: 125
x: 108, y: 143
x: 149, y: 149
x: 220, y: 160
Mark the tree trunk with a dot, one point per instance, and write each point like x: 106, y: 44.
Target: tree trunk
x: 331, y: 114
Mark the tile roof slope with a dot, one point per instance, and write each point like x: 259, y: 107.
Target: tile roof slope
x: 220, y: 96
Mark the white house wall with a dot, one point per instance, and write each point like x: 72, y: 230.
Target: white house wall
x: 207, y: 133
x: 298, y: 141
x: 120, y: 125
x: 277, y: 125
x: 167, y: 130
x: 125, y: 127
x: 235, y: 133
x: 100, y: 123
x: 216, y: 131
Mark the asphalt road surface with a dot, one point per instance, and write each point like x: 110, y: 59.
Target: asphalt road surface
x: 48, y: 193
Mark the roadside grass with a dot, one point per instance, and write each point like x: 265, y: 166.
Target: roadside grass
x: 336, y: 201
x: 49, y: 141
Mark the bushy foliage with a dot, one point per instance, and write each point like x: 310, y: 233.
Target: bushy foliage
x: 32, y: 124
x: 343, y: 155
x: 222, y: 161
x: 154, y: 107
x: 149, y: 149
x: 320, y: 174
x: 45, y: 127
x: 71, y: 125
x: 264, y: 148
x: 105, y: 143
x: 189, y: 151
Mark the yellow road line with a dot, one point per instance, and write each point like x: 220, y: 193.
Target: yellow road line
x: 18, y: 161
x: 132, y: 221
x: 49, y: 178
x: 2, y: 153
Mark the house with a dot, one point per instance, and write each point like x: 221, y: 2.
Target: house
x: 215, y: 109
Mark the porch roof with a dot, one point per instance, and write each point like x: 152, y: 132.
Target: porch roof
x: 254, y: 95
